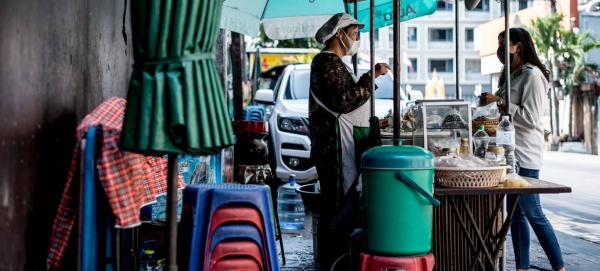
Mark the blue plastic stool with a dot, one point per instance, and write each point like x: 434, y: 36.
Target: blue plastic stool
x: 201, y: 201
x: 254, y: 112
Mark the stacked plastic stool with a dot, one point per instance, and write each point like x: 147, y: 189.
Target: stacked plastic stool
x: 254, y: 113
x: 410, y: 263
x: 227, y: 227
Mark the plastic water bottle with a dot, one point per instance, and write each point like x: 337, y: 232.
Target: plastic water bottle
x: 290, y: 208
x: 505, y: 137
x: 481, y: 140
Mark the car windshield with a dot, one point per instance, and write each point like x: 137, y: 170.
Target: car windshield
x: 299, y: 83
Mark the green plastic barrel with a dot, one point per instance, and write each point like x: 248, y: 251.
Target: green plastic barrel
x: 398, y: 201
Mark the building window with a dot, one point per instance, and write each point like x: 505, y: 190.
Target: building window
x: 443, y: 6
x: 391, y: 37
x: 441, y: 34
x: 469, y: 38
x: 469, y: 35
x: 484, y: 5
x: 377, y: 38
x: 413, y: 68
x: 441, y: 65
x: 523, y: 4
x: 411, y: 37
x: 411, y: 34
x: 391, y: 61
x: 473, y: 66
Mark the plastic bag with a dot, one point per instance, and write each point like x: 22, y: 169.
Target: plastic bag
x: 461, y: 162
x: 514, y: 180
x: 489, y: 111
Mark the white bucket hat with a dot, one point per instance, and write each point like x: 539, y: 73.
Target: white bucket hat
x: 338, y: 21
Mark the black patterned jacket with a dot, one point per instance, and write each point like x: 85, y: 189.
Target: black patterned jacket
x: 334, y: 86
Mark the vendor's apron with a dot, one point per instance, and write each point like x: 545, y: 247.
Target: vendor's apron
x: 352, y: 131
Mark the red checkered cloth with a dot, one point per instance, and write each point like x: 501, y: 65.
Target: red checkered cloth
x: 130, y: 180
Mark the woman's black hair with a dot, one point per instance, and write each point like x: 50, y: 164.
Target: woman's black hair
x: 528, y: 53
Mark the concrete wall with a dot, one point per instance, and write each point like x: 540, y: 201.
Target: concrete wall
x: 58, y: 60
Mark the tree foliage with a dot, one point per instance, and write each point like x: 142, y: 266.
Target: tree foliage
x: 564, y: 48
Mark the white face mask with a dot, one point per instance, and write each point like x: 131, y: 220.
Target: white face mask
x: 353, y: 48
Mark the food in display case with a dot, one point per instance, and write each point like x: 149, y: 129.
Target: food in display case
x: 454, y: 121
x: 439, y: 124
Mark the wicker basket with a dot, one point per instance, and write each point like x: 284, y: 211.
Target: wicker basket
x: 488, y: 124
x: 468, y: 177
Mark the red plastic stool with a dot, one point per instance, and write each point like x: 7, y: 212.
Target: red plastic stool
x: 236, y: 214
x: 240, y: 249
x: 243, y: 264
x: 414, y: 263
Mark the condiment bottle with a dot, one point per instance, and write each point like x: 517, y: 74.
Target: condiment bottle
x: 464, y: 147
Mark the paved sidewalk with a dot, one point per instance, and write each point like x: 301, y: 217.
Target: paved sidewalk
x: 579, y: 255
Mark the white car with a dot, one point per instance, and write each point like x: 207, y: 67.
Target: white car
x: 289, y: 142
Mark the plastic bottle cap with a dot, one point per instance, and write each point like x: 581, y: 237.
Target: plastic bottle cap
x: 505, y: 117
x: 464, y: 139
x: 481, y: 127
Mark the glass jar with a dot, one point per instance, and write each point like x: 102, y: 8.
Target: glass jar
x: 464, y: 147
x: 449, y: 152
x: 496, y: 154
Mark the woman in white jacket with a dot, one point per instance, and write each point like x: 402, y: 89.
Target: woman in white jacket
x: 528, y: 91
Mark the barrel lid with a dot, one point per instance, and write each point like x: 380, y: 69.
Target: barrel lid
x: 398, y: 157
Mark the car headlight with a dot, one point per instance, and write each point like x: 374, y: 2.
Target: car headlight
x: 293, y: 125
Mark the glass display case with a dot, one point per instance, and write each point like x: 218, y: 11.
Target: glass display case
x: 439, y: 124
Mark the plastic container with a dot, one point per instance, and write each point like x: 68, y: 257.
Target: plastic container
x: 290, y: 208
x: 496, y: 154
x: 450, y: 152
x: 505, y: 137
x: 398, y: 201
x: 481, y: 140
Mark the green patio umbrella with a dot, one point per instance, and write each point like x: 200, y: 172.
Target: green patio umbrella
x: 285, y: 19
x: 175, y: 103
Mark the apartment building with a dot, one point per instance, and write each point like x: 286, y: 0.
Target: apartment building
x: 428, y: 44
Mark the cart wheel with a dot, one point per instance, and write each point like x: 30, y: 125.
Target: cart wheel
x: 341, y: 264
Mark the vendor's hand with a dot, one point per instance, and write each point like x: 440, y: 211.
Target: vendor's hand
x: 383, y: 123
x: 488, y: 98
x: 381, y: 69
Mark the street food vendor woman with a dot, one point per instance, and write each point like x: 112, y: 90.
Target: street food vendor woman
x: 339, y: 112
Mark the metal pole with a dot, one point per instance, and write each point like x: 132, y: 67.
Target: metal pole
x: 355, y: 57
x: 372, y: 49
x: 396, y: 68
x: 456, y: 49
x: 237, y: 66
x: 507, y: 70
x: 507, y: 73
x: 172, y: 212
